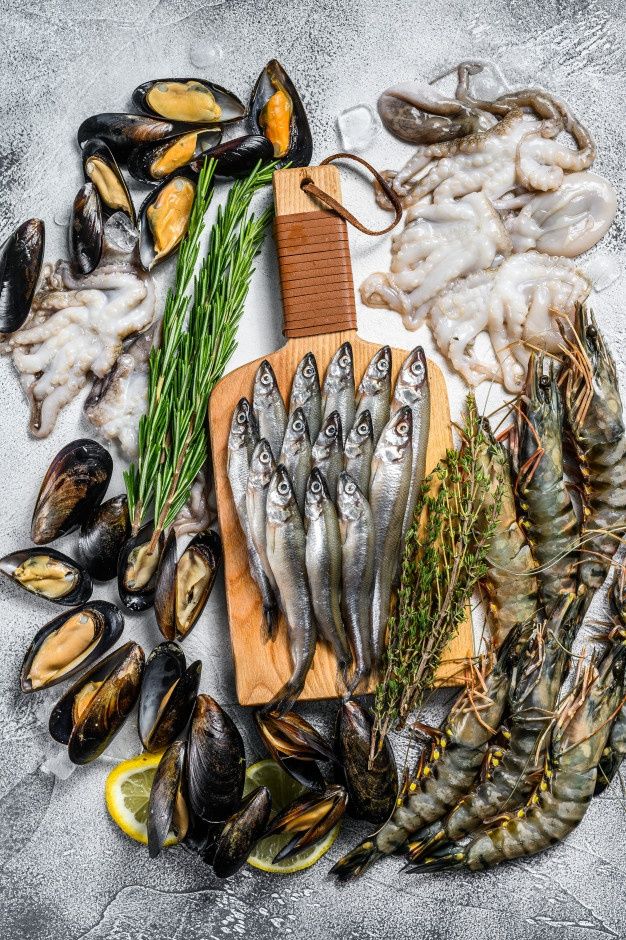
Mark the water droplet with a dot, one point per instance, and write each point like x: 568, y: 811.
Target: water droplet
x: 62, y: 219
x: 358, y: 126
x: 205, y: 55
x: 603, y: 270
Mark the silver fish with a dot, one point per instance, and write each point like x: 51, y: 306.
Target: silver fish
x: 241, y: 443
x: 306, y: 394
x: 262, y: 466
x: 286, y: 552
x: 323, y: 565
x: 375, y: 390
x: 389, y: 490
x: 338, y: 388
x: 356, y: 527
x: 296, y: 454
x: 269, y: 407
x: 412, y: 389
x: 327, y: 451
x: 359, y: 450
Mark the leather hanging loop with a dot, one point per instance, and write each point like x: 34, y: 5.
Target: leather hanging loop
x: 309, y: 187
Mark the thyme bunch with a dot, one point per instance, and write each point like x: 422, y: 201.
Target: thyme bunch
x: 444, y: 557
x: 198, y: 337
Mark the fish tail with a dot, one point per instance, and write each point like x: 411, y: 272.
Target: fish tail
x: 357, y: 861
x: 270, y: 622
x: 360, y: 673
x: 284, y: 700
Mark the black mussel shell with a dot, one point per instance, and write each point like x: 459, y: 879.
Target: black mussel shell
x: 155, y: 162
x: 184, y: 584
x: 168, y: 694
x: 296, y: 745
x: 102, y: 536
x: 216, y: 763
x: 70, y: 643
x: 189, y: 101
x: 241, y: 833
x: 47, y: 573
x: 164, y: 217
x: 101, y: 169
x: 86, y: 231
x: 72, y: 488
x: 291, y: 136
x: 21, y: 257
x: 137, y: 570
x: 308, y: 818
x: 123, y: 132
x: 167, y: 809
x: 372, y: 789
x: 239, y: 156
x: 93, y: 710
x: 202, y: 835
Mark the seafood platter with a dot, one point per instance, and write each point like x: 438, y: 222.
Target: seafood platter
x: 356, y: 530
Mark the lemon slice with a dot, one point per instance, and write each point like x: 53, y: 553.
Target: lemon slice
x: 284, y: 789
x: 127, y: 793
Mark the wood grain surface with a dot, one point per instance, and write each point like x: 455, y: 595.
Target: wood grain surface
x: 262, y: 668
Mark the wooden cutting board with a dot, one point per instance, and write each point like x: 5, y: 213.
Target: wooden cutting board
x: 320, y: 315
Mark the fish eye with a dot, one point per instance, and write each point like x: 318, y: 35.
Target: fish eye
x: 331, y: 431
x: 283, y: 488
x: 316, y: 486
x: 264, y: 457
x: 350, y: 488
x: 363, y: 429
x: 266, y: 378
x: 403, y: 428
x: 298, y: 425
x: 241, y: 417
x: 308, y: 372
x: 344, y: 361
x: 417, y: 368
x: 382, y: 365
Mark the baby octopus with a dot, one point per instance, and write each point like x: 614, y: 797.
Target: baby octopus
x: 78, y: 325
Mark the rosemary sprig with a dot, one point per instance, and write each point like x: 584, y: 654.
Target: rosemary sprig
x: 190, y: 360
x: 445, y: 555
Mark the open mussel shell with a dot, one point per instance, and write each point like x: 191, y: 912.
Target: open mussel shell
x: 137, y: 569
x: 168, y: 694
x: 308, y: 819
x: 21, y: 257
x: 123, y: 132
x: 238, y: 157
x: 241, y: 832
x: 73, y: 486
x: 296, y: 745
x: 216, y: 767
x: 155, y: 162
x: 189, y: 100
x: 47, y: 573
x: 184, y: 584
x: 164, y: 217
x: 372, y: 785
x: 277, y: 112
x: 69, y: 643
x: 102, y: 536
x: 168, y: 817
x: 86, y: 231
x: 100, y: 168
x: 93, y: 710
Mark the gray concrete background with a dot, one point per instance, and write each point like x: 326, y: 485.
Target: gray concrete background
x: 66, y: 871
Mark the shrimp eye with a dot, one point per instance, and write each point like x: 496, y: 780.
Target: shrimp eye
x: 283, y: 488
x: 403, y: 428
x: 298, y: 426
x: 316, y: 486
x: 544, y: 381
x: 350, y: 488
x: 592, y: 332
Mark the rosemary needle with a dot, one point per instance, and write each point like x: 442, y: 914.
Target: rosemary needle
x: 198, y: 337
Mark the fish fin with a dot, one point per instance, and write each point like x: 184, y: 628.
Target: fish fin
x: 357, y: 861
x: 284, y: 700
x: 269, y: 627
x: 359, y: 675
x: 446, y: 857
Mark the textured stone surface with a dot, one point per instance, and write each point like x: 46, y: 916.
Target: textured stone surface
x: 66, y: 872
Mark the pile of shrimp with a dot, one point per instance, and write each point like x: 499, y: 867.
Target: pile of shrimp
x: 497, y: 207
x: 518, y: 759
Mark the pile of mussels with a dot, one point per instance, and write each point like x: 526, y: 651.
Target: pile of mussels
x: 179, y: 123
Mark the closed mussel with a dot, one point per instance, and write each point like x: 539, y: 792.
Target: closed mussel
x: 154, y: 162
x: 102, y: 536
x: 215, y: 769
x: 21, y: 257
x: 168, y: 693
x: 100, y: 168
x: 189, y: 100
x: 238, y: 156
x: 93, y: 710
x: 86, y: 231
x: 241, y: 832
x: 73, y: 486
x: 69, y: 643
x: 277, y: 112
x: 137, y: 566
x: 296, y: 745
x: 164, y: 217
x: 123, y: 132
x: 184, y: 584
x: 372, y: 785
x: 48, y: 574
x: 168, y: 817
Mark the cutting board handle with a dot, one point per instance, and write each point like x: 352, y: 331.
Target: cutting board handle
x: 313, y: 255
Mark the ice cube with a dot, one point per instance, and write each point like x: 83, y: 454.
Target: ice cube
x: 205, y: 55
x: 57, y: 762
x: 488, y: 83
x: 358, y: 126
